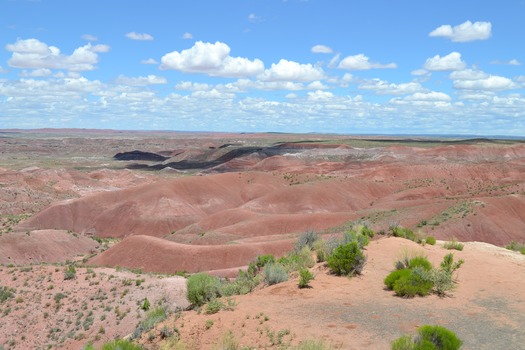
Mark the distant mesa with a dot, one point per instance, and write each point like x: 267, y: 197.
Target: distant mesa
x: 140, y: 155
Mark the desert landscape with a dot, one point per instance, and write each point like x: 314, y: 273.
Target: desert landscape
x: 95, y: 222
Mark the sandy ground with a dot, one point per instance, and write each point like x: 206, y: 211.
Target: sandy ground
x: 486, y: 310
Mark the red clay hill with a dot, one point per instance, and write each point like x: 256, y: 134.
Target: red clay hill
x: 216, y: 201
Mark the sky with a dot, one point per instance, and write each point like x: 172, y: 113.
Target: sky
x: 327, y: 66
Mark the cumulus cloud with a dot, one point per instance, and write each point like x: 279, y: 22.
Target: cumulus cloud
x: 191, y: 86
x: 492, y: 82
x: 429, y: 96
x: 382, y: 87
x: 34, y: 54
x: 464, y: 32
x: 187, y: 36
x: 211, y: 59
x: 141, y: 81
x: 320, y: 95
x: 42, y: 72
x: 89, y: 37
x: 139, y: 36
x: 361, y: 62
x: 292, y: 71
x: 452, y: 61
x: 149, y: 61
x: 321, y: 49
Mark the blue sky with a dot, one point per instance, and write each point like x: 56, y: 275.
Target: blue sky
x: 338, y: 66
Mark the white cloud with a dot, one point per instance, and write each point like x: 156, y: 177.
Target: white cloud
x: 246, y: 84
x: 211, y: 59
x: 321, y: 49
x: 149, y: 61
x: 429, y: 96
x: 41, y: 72
x: 141, y: 81
x: 139, y: 36
x: 513, y: 62
x: 89, y: 37
x: 491, y: 82
x: 464, y: 32
x: 212, y: 94
x: 191, y: 86
x: 361, y: 62
x: 291, y: 96
x: 420, y: 72
x: 320, y: 95
x: 292, y: 71
x: 452, y: 61
x: 34, y: 54
x: 252, y: 17
x: 468, y: 74
x: 382, y: 87
x: 187, y: 35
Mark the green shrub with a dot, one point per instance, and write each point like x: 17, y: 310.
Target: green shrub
x: 448, y: 264
x: 517, y: 247
x: 70, y: 272
x: 306, y: 239
x: 244, y: 283
x: 453, y: 245
x: 398, y: 231
x: 202, y: 288
x: 152, y: 318
x: 121, y: 344
x: 263, y: 260
x: 367, y: 231
x: 428, y: 338
x: 305, y: 276
x: 6, y: 293
x: 391, y: 279
x: 418, y: 282
x: 321, y: 250
x: 347, y: 259
x: 430, y: 240
x: 275, y: 273
x: 297, y: 260
x: 420, y: 261
x: 312, y: 345
x: 145, y: 304
x: 441, y: 337
x: 214, y: 306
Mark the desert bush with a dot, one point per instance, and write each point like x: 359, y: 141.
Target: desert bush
x: 305, y: 276
x: 202, y: 288
x: 441, y: 337
x: 6, y: 293
x: 244, y: 283
x: 121, y: 344
x: 418, y: 282
x: 152, y: 318
x: 454, y: 244
x: 367, y: 231
x: 398, y: 231
x: 312, y: 345
x: 306, y: 239
x: 420, y: 261
x: 448, y: 264
x: 297, y: 260
x: 347, y: 259
x: 263, y: 260
x: 275, y: 273
x: 428, y: 338
x: 70, y: 272
x: 228, y: 342
x: 214, y: 306
x: 517, y: 247
x: 391, y: 279
x: 430, y: 240
x: 321, y: 250
x: 145, y: 305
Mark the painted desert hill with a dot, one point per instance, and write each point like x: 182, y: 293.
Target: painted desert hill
x: 470, y: 192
